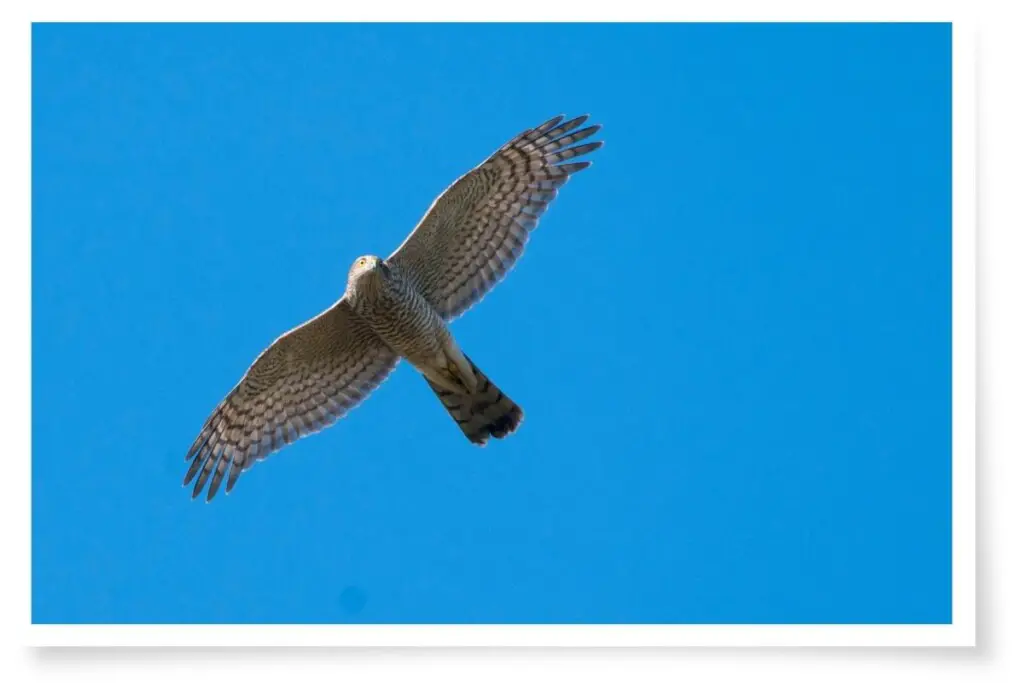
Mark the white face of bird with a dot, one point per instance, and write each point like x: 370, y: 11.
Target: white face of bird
x: 364, y: 267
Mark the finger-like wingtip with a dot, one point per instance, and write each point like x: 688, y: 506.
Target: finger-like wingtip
x: 212, y: 491
x: 546, y: 126
x: 232, y: 479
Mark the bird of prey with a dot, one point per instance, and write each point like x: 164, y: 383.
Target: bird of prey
x: 399, y: 307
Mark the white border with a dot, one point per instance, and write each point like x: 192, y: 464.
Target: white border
x: 492, y: 635
x: 960, y: 633
x: 964, y: 328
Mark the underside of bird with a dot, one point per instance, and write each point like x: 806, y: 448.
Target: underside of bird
x: 478, y: 406
x: 469, y: 239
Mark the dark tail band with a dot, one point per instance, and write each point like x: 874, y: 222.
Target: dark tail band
x: 485, y: 413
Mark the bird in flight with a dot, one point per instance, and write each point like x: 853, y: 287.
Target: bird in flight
x: 399, y: 307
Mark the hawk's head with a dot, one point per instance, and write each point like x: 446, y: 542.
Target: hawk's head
x: 365, y: 271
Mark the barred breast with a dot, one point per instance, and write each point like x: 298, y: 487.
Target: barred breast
x: 405, y: 320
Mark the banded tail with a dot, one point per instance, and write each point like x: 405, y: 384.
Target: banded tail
x: 485, y: 413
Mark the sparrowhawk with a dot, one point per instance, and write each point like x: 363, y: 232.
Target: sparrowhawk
x: 396, y: 308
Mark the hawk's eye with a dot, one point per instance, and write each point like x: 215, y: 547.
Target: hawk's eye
x: 362, y: 261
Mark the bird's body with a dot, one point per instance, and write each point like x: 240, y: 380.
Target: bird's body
x: 399, y: 307
x: 398, y: 313
x: 407, y: 323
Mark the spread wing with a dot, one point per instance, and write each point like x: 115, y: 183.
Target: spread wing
x: 302, y: 383
x: 475, y: 231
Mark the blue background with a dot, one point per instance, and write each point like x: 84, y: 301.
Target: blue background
x: 730, y: 336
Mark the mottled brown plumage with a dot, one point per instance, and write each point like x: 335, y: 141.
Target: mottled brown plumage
x: 399, y: 308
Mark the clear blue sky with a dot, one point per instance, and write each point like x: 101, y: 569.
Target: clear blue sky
x: 730, y: 336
